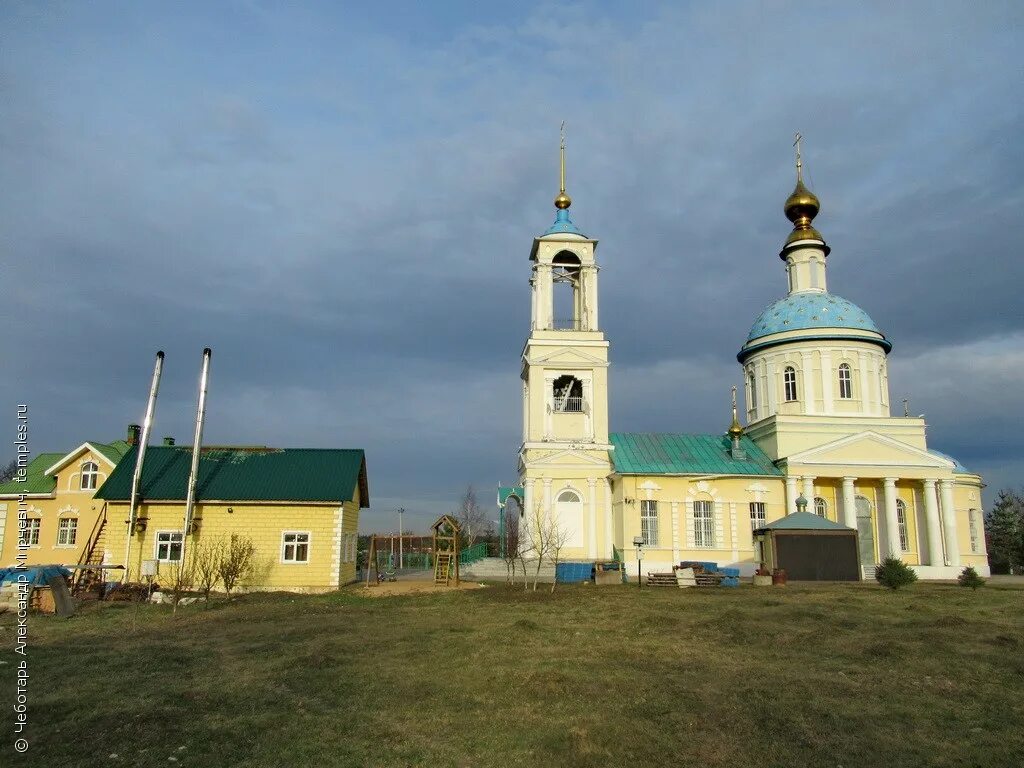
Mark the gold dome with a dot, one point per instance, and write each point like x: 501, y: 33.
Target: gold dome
x: 802, y: 206
x: 735, y: 430
x: 563, y: 201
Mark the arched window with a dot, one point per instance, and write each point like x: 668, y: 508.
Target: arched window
x: 567, y: 300
x: 67, y: 531
x: 569, y: 496
x: 569, y: 513
x: 901, y: 522
x: 568, y: 394
x: 89, y: 474
x: 845, y: 382
x: 820, y: 507
x: 789, y: 383
x: 753, y: 392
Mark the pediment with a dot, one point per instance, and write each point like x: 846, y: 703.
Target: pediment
x: 80, y: 451
x: 568, y: 356
x: 569, y: 457
x: 869, y: 448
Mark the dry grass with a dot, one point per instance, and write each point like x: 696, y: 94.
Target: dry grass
x: 817, y: 675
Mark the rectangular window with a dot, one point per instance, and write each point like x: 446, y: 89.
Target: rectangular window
x: 30, y: 533
x: 703, y: 524
x: 901, y: 523
x: 649, y: 522
x: 168, y: 546
x: 67, y: 532
x: 972, y: 521
x: 757, y: 516
x: 789, y: 384
x: 294, y: 547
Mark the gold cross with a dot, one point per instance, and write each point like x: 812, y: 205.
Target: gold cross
x: 799, y: 162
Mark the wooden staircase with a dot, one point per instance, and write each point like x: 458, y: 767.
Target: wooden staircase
x: 442, y: 569
x: 85, y: 580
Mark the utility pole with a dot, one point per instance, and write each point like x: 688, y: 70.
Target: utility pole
x: 401, y: 541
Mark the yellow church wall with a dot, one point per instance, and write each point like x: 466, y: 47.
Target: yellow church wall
x: 330, y: 533
x: 967, y: 499
x: 575, y: 475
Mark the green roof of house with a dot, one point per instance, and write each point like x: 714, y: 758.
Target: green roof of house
x: 244, y: 474
x: 114, y: 451
x: 803, y: 521
x: 638, y: 453
x: 36, y: 479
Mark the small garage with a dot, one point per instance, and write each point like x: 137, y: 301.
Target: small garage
x: 809, y: 548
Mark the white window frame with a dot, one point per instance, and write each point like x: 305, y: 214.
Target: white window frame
x: 790, y: 392
x: 845, y: 381
x: 972, y: 524
x: 67, y: 531
x: 294, y: 545
x: 29, y: 535
x: 758, y: 517
x: 90, y: 473
x: 821, y: 507
x: 753, y: 390
x: 169, y: 543
x: 649, y: 522
x: 704, y: 524
x: 901, y: 525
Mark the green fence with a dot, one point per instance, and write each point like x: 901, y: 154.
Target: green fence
x: 474, y: 553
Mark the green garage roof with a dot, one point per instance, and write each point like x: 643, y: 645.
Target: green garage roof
x: 803, y: 521
x: 639, y: 453
x: 244, y: 474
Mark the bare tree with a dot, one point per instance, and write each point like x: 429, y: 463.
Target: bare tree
x: 558, y: 537
x: 180, y: 579
x: 8, y: 472
x: 236, y: 562
x: 206, y: 562
x: 510, y: 543
x: 546, y: 538
x: 473, y: 519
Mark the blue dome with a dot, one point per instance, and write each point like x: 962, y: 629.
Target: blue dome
x: 801, y: 311
x: 563, y: 225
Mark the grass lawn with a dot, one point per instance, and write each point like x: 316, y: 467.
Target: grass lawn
x: 831, y: 675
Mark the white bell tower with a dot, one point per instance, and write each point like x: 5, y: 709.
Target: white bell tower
x: 564, y: 461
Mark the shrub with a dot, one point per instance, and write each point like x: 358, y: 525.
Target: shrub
x: 894, y: 573
x: 970, y: 578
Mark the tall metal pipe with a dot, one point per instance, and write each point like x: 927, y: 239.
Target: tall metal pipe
x: 193, y: 477
x: 140, y: 457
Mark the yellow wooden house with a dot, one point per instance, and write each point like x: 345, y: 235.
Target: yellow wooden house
x: 299, y: 506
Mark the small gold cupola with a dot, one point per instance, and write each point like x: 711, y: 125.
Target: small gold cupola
x: 802, y: 206
x: 735, y: 432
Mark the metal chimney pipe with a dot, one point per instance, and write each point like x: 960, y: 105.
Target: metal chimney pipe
x: 193, y: 476
x: 140, y: 457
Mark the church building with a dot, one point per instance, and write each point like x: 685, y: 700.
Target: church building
x: 819, y: 434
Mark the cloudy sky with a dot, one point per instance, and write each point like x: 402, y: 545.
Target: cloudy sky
x: 340, y: 199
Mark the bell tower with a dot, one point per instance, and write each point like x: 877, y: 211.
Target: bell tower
x: 564, y: 461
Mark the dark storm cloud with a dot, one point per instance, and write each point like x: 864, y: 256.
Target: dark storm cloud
x: 343, y: 208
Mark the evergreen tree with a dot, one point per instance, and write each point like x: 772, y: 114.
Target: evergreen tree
x: 1004, y: 533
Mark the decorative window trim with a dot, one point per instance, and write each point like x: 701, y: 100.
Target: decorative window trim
x: 821, y: 507
x: 758, y: 515
x: 845, y: 374
x: 169, y: 543
x: 704, y: 524
x: 29, y: 535
x: 294, y: 545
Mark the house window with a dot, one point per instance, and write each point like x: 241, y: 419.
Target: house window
x: 703, y: 524
x: 972, y: 521
x: 753, y: 392
x: 845, y: 382
x: 649, y: 522
x: 820, y: 507
x: 294, y: 547
x: 789, y: 383
x: 757, y: 516
x: 89, y: 474
x: 901, y: 523
x: 568, y: 394
x: 168, y: 546
x: 67, y: 531
x: 30, y: 533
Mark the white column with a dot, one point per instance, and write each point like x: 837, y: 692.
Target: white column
x: 892, y: 526
x: 791, y: 494
x: 949, y: 522
x: 592, y: 493
x: 772, y: 372
x: 934, y: 528
x: 608, y: 518
x: 849, y: 503
x: 547, y: 496
x: 807, y: 367
x: 826, y: 382
x: 809, y: 493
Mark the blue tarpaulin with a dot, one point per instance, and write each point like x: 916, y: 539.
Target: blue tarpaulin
x: 36, y: 575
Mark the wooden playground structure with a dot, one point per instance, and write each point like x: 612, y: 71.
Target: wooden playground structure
x: 445, y: 552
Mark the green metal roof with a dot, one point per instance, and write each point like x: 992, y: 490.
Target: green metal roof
x: 675, y: 454
x: 803, y: 521
x: 114, y: 451
x: 244, y: 474
x: 36, y: 479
